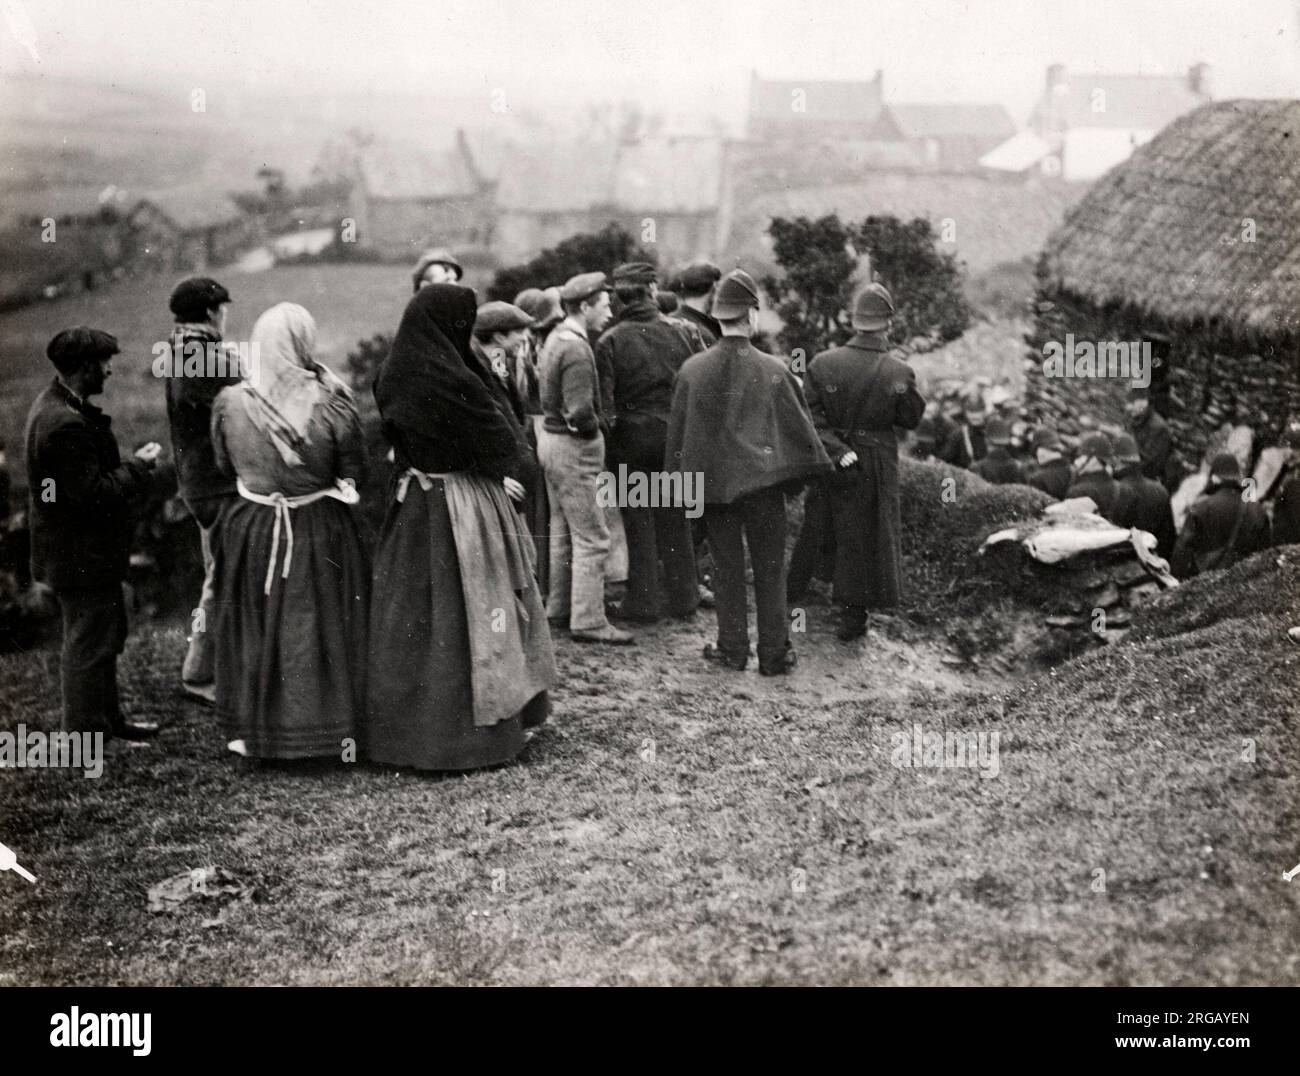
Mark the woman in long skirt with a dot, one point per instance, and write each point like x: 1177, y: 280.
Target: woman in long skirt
x: 460, y: 652
x: 293, y: 577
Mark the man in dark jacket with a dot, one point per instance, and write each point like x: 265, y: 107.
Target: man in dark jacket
x: 859, y: 396
x: 81, y: 496
x: 1153, y: 438
x: 637, y: 359
x: 201, y: 367
x: 696, y: 286
x: 1092, y: 477
x: 740, y: 422
x: 1141, y: 502
x: 1051, y: 472
x: 998, y: 465
x: 1286, y: 508
x: 1223, y: 525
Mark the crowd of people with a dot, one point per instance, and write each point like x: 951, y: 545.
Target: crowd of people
x: 434, y: 650
x: 1130, y: 475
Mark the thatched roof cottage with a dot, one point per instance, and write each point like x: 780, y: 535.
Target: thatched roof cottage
x: 1193, y: 246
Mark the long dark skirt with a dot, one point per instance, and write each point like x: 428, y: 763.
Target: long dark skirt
x: 290, y: 667
x: 420, y: 710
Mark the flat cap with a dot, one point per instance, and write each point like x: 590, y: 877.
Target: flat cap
x: 582, y: 286
x: 499, y: 317
x: 871, y: 304
x: 198, y: 292
x: 636, y: 273
x: 543, y: 306
x: 736, y: 294
x: 698, y: 277
x: 1098, y: 446
x: 435, y: 256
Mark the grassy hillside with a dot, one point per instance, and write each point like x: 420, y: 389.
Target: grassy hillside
x: 679, y: 825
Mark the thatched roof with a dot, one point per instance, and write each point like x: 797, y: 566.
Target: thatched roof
x: 1163, y: 231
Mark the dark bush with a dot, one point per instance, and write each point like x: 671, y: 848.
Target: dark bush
x: 590, y: 252
x: 820, y: 257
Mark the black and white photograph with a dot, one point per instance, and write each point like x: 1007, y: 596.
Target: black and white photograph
x: 713, y: 493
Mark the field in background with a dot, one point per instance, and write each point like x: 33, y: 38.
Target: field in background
x: 349, y: 302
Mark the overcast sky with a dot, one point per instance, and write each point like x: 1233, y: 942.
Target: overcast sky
x: 673, y: 55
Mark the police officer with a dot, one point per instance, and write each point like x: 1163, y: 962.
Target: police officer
x: 1224, y: 525
x: 998, y: 465
x: 1092, y: 477
x: 1141, y: 502
x: 1051, y: 470
x: 859, y: 395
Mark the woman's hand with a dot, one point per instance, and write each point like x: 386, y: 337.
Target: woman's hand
x: 514, y: 490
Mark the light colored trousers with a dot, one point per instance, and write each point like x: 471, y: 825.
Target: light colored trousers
x: 199, y: 666
x: 580, y: 541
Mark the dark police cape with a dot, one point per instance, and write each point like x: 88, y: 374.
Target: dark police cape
x: 739, y: 419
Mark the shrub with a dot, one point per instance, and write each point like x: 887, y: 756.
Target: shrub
x: 588, y: 252
x: 820, y: 257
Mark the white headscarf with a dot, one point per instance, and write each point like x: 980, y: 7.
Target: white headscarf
x: 287, y: 384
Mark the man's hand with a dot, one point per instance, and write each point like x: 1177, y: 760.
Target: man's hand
x: 148, y: 454
x: 514, y: 490
x: 848, y: 459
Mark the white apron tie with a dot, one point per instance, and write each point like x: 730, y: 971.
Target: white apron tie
x: 342, y: 490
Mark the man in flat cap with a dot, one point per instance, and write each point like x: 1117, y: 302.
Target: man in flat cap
x: 739, y: 421
x: 82, y: 498
x: 1224, y: 524
x: 1141, y: 502
x: 1092, y: 475
x: 436, y: 266
x: 637, y: 359
x: 696, y: 285
x: 860, y: 396
x: 543, y: 306
x: 1154, y: 441
x: 500, y: 331
x: 199, y: 306
x: 572, y: 450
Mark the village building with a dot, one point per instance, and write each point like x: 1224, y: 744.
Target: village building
x: 952, y: 137
x: 853, y: 119
x: 1193, y: 246
x: 1085, y: 124
x: 187, y: 229
x: 667, y: 192
x: 407, y: 198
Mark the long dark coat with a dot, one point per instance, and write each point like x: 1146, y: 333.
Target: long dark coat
x: 860, y: 396
x: 1144, y: 503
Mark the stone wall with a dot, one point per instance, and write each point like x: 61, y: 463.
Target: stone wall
x: 1204, y: 377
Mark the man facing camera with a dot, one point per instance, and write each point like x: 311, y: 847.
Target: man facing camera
x: 81, y: 499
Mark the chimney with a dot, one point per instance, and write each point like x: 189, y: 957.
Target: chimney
x: 880, y: 82
x: 1200, y: 79
x: 1055, y: 77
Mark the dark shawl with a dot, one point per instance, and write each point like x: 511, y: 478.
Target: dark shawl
x: 437, y: 409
